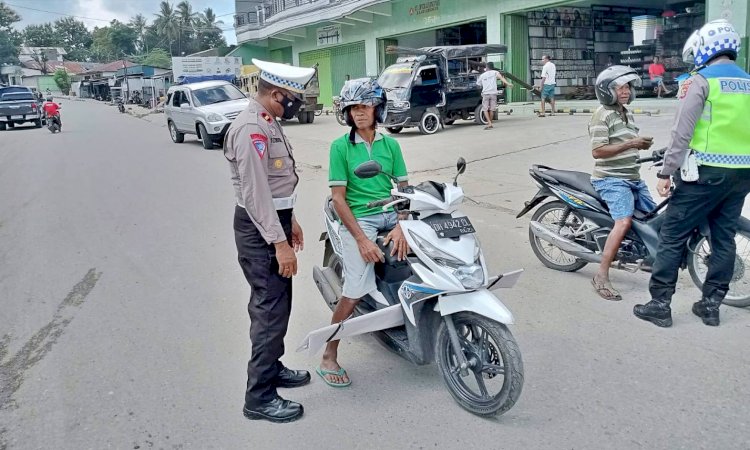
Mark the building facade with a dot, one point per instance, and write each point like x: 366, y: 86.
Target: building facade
x: 349, y: 37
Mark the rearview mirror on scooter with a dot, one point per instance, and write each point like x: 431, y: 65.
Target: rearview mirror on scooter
x: 461, y: 166
x: 368, y: 169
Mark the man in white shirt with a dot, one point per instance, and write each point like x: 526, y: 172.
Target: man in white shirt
x: 549, y: 71
x: 488, y: 81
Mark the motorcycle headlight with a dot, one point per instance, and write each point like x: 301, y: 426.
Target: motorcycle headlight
x: 471, y: 276
x: 213, y: 117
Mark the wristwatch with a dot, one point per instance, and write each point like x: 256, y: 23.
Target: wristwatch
x: 663, y: 176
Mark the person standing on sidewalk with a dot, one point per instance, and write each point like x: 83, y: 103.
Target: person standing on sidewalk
x: 267, y: 233
x: 711, y: 123
x: 488, y: 81
x: 549, y: 74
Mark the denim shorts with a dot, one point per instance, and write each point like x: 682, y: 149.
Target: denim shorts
x: 359, y: 276
x: 658, y: 80
x: 548, y: 91
x: 623, y: 197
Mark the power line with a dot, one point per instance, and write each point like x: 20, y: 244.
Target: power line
x: 57, y: 13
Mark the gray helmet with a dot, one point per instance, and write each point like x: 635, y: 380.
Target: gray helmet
x: 49, y: 99
x: 614, y: 76
x: 363, y: 91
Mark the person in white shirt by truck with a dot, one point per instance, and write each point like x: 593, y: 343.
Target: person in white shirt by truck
x: 488, y: 81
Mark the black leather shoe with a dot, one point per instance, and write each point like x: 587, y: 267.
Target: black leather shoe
x: 708, y: 311
x: 656, y: 311
x: 277, y: 410
x: 289, y: 378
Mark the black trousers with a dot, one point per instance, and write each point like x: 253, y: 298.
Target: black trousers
x: 717, y: 198
x: 269, y: 307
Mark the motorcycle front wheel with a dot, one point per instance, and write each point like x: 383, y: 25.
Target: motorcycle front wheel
x: 739, y: 286
x: 340, y: 118
x: 494, y: 380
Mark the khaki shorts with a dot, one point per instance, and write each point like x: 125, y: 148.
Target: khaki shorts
x: 489, y: 102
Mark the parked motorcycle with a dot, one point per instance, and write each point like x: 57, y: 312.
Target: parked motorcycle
x: 120, y: 105
x: 570, y: 231
x: 438, y: 304
x: 337, y: 110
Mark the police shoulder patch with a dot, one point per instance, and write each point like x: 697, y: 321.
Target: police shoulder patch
x: 260, y: 142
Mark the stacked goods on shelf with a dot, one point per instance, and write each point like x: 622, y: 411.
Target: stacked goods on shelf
x: 677, y: 29
x: 639, y: 57
x: 565, y: 34
x: 646, y: 28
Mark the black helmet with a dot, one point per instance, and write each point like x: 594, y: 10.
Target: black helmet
x: 614, y: 76
x: 363, y: 91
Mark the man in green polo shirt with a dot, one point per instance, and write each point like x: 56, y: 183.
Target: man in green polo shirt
x: 363, y: 105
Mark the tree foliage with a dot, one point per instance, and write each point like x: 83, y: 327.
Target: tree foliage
x: 9, y: 38
x: 62, y: 80
x: 157, y: 57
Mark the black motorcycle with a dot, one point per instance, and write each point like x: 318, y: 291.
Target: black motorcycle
x: 570, y: 231
x: 120, y: 105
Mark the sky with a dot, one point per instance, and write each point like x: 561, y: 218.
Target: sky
x: 100, y: 12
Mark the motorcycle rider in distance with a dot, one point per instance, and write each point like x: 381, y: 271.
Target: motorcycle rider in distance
x: 363, y: 104
x: 712, y: 124
x: 616, y: 177
x: 52, y: 112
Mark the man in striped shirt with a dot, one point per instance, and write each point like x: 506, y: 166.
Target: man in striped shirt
x: 616, y: 177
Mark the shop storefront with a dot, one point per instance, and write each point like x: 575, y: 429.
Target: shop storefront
x: 582, y: 37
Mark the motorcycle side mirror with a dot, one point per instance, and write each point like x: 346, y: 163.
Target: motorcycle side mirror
x: 461, y: 166
x: 368, y: 169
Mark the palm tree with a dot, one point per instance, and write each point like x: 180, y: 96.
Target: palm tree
x: 167, y: 23
x: 209, y: 20
x: 139, y: 24
x: 188, y: 20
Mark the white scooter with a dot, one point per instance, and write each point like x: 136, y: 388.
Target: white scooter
x: 438, y: 304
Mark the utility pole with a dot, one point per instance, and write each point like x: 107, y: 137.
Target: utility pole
x: 127, y: 84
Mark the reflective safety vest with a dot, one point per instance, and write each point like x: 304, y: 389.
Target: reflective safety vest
x: 722, y: 134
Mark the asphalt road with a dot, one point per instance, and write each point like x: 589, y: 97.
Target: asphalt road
x: 124, y: 320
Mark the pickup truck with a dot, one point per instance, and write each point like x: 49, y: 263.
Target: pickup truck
x: 18, y: 105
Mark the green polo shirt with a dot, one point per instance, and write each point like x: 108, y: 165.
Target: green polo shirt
x: 346, y: 156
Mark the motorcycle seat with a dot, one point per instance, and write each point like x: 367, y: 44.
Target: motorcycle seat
x: 577, y: 180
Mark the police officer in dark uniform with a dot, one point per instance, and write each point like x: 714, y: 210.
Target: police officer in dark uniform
x: 267, y: 234
x: 712, y: 127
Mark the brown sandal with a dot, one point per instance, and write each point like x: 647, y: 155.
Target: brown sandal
x: 606, y: 290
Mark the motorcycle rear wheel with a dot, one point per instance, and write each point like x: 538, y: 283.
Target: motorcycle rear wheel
x: 547, y: 253
x: 491, y: 350
x: 340, y: 118
x: 739, y: 288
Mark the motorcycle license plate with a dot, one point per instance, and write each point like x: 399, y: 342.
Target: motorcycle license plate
x: 452, y: 227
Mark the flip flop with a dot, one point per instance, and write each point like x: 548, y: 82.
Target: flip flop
x: 341, y: 372
x: 606, y: 292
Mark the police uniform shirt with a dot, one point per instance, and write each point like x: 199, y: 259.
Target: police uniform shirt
x: 261, y: 162
x: 693, y: 94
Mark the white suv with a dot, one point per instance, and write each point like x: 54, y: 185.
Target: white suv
x: 205, y: 109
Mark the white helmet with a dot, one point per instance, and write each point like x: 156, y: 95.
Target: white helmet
x: 612, y: 77
x: 715, y: 38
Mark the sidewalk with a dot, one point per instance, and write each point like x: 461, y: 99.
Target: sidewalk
x: 649, y: 106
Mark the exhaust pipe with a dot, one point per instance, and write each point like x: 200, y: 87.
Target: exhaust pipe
x: 564, y: 244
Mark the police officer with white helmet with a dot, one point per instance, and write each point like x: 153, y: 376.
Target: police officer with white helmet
x: 711, y: 129
x: 267, y: 234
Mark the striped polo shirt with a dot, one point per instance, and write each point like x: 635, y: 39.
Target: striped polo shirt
x: 610, y: 126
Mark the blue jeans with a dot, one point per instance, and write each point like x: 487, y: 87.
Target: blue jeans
x: 623, y: 197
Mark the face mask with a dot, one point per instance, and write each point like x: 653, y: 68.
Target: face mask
x: 291, y: 107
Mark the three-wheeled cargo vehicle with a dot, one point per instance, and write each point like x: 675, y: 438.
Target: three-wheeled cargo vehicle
x: 431, y: 87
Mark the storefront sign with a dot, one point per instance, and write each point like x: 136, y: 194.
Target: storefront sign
x: 329, y: 35
x: 430, y: 8
x: 212, y: 65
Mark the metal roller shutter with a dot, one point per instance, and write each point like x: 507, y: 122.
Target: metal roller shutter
x: 347, y: 60
x: 323, y: 59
